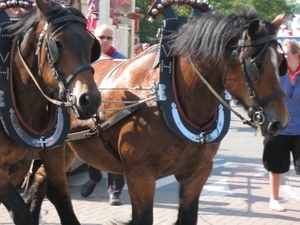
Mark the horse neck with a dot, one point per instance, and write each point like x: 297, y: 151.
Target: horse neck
x: 197, y: 101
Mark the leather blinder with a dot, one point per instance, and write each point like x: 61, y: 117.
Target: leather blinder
x: 52, y: 49
x: 252, y: 70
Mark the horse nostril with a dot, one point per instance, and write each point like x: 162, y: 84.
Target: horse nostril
x: 84, y: 101
x: 274, y: 128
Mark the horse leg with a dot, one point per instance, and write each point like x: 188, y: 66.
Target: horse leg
x: 13, y: 202
x: 189, y: 193
x: 142, y: 197
x: 58, y: 191
x: 38, y: 192
x: 40, y: 184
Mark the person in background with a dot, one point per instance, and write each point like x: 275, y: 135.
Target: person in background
x: 277, y: 149
x: 137, y: 49
x: 93, y: 13
x: 115, y: 182
x: 145, y: 46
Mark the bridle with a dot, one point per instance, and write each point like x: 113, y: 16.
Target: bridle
x: 52, y: 55
x: 251, y: 75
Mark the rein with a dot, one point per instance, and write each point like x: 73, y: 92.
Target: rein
x: 131, y: 103
x: 56, y: 102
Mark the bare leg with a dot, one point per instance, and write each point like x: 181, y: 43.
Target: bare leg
x: 275, y: 180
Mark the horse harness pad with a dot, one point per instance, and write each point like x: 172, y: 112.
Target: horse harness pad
x: 216, y: 130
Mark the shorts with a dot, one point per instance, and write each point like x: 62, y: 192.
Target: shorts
x: 276, y: 155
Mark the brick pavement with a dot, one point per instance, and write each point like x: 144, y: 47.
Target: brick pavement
x: 237, y: 192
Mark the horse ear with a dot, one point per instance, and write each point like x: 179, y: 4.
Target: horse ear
x: 278, y: 20
x: 43, y: 6
x: 253, y: 28
x: 75, y: 4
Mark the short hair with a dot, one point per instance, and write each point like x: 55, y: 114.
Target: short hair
x: 102, y: 27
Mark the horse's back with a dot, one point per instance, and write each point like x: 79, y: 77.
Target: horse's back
x: 124, y: 73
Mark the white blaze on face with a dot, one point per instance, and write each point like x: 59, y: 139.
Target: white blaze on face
x: 274, y: 60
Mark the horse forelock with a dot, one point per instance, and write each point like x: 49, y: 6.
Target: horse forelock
x: 211, y: 37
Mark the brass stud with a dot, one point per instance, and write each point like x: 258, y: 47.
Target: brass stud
x: 154, y: 11
x: 151, y: 20
x: 2, y: 5
x: 14, y: 2
x: 159, y: 6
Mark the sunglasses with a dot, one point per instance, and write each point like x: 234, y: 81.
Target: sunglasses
x: 105, y: 37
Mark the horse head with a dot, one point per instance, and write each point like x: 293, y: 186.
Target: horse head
x: 260, y: 63
x: 64, y: 50
x: 238, y: 53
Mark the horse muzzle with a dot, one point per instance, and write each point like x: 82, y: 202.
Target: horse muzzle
x: 274, y: 123
x: 86, y: 104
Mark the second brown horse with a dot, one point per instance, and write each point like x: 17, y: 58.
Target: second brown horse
x: 147, y: 147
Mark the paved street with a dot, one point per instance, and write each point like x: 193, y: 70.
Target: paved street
x: 237, y: 191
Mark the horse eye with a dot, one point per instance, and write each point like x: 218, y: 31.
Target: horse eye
x: 58, y: 44
x: 259, y: 66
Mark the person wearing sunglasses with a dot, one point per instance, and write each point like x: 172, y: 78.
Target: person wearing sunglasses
x: 115, y: 182
x: 104, y: 34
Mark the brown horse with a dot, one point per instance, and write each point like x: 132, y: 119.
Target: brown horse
x: 48, y: 72
x: 174, y: 129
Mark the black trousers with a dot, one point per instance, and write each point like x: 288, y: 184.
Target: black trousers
x: 115, y: 182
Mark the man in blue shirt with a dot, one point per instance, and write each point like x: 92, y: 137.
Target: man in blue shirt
x: 104, y: 34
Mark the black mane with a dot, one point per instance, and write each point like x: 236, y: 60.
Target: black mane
x: 211, y: 35
x: 32, y: 18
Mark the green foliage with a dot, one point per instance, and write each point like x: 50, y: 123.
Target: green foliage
x: 267, y: 10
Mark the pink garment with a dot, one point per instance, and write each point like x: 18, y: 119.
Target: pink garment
x: 123, y: 2
x: 91, y: 24
x: 93, y: 9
